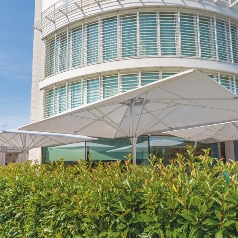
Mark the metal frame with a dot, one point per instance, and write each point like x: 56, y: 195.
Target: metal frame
x: 99, y: 21
x: 216, y: 75
x: 62, y: 9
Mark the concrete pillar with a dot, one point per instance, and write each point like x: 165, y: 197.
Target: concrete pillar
x: 229, y: 149
x: 2, y: 158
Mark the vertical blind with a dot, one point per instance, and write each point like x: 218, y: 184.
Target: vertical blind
x: 168, y: 24
x: 129, y: 36
x: 110, y: 86
x: 92, y: 90
x: 92, y: 43
x: 74, y: 94
x: 129, y: 82
x: 76, y: 47
x: 148, y: 34
x: 147, y: 78
x: 110, y: 39
x: 234, y: 36
x: 206, y: 33
x: 188, y: 35
x: 143, y: 34
x: 223, y: 41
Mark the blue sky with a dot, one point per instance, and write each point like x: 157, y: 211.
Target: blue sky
x: 16, y: 40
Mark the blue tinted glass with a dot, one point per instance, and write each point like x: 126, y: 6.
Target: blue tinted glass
x: 129, y: 33
x: 167, y: 33
x: 92, y: 43
x: 110, y: 39
x: 148, y: 34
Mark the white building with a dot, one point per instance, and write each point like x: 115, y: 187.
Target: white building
x: 92, y: 49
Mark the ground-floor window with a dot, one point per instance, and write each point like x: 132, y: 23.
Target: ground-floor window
x: 105, y: 149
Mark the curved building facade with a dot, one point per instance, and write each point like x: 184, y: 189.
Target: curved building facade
x: 87, y: 50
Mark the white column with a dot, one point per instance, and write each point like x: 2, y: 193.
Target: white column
x: 230, y: 39
x: 2, y: 158
x: 133, y: 142
x: 219, y: 150
x: 138, y: 33
x: 158, y: 34
x: 82, y: 44
x: 24, y: 148
x: 67, y: 95
x: 100, y: 40
x: 55, y: 54
x: 67, y: 50
x: 215, y: 32
x: 229, y: 150
x: 198, y: 36
x: 234, y: 83
x: 119, y: 40
x: 132, y: 132
x: 139, y: 78
x: 178, y: 33
x: 100, y: 88
x: 85, y: 46
x: 119, y: 82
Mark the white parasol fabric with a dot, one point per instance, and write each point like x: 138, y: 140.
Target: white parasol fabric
x: 82, y: 144
x: 26, y: 140
x: 187, y: 99
x: 144, y: 145
x: 210, y: 134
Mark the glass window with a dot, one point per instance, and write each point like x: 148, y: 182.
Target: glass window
x: 223, y: 41
x: 49, y: 103
x: 63, y: 52
x: 110, y: 86
x: 129, y: 82
x: 92, y: 90
x: 50, y: 57
x: 60, y: 100
x: 214, y: 150
x: 188, y: 38
x: 110, y: 38
x: 148, y: 34
x: 167, y: 33
x: 76, y: 47
x: 227, y: 83
x: 75, y: 94
x: 167, y: 147
x: 236, y: 85
x: 57, y: 54
x: 167, y: 74
x: 147, y: 78
x: 103, y: 149
x: 70, y: 153
x: 236, y: 150
x: 129, y: 33
x: 234, y: 36
x: 92, y: 43
x: 205, y: 29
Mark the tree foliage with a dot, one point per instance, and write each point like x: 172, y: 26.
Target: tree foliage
x: 193, y: 196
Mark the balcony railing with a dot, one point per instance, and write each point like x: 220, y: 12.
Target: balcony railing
x: 67, y: 8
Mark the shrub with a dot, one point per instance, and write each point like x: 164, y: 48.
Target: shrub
x: 190, y: 197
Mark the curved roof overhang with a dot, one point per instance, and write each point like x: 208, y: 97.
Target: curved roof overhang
x: 60, y: 14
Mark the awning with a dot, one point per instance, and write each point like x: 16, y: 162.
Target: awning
x: 26, y: 140
x: 187, y: 99
x: 210, y: 134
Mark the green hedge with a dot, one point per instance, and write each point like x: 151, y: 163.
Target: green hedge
x: 190, y: 197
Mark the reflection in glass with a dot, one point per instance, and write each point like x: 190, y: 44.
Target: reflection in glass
x: 167, y: 147
x: 105, y: 149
